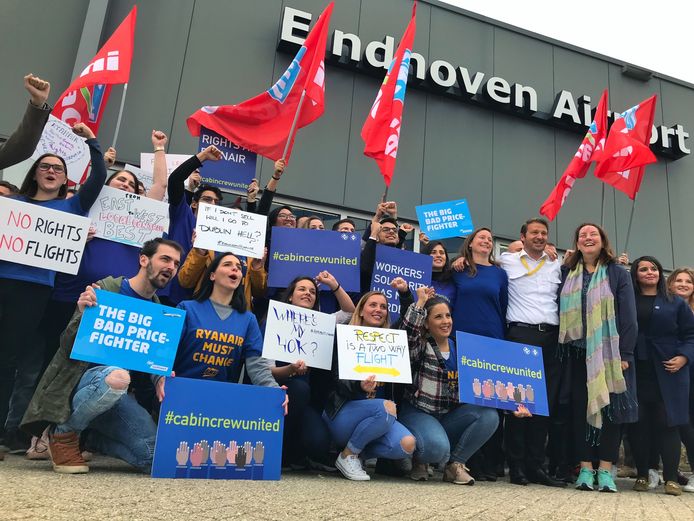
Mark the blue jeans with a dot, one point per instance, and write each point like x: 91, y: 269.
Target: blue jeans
x: 117, y: 425
x: 465, y: 428
x: 365, y: 425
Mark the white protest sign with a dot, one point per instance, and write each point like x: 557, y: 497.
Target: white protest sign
x: 59, y: 139
x: 128, y: 218
x: 146, y: 175
x: 37, y: 236
x: 293, y: 333
x: 226, y: 229
x: 363, y: 351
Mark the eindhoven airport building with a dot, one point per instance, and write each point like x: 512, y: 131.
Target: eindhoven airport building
x: 493, y: 114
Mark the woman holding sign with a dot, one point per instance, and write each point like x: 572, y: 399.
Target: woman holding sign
x: 359, y: 415
x: 25, y: 290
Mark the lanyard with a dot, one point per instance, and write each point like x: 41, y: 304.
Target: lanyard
x: 532, y: 272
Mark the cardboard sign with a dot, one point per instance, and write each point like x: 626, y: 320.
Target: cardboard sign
x: 298, y: 252
x: 363, y: 351
x: 390, y: 263
x: 130, y: 333
x: 501, y: 374
x: 59, y: 139
x: 37, y: 236
x: 234, y: 171
x: 219, y: 430
x: 444, y: 220
x: 173, y: 161
x: 128, y: 218
x: 293, y: 333
x: 226, y: 229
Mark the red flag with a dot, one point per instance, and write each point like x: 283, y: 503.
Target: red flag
x: 85, y: 98
x: 579, y: 165
x: 623, y: 159
x: 381, y: 130
x: 263, y: 123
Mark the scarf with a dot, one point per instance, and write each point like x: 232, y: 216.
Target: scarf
x: 603, y: 362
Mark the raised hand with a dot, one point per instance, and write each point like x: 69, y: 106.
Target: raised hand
x: 399, y: 284
x: 110, y: 157
x: 211, y: 153
x: 159, y: 139
x: 252, y: 191
x: 83, y: 131
x: 324, y: 277
x: 259, y: 452
x: 406, y: 227
x: 280, y: 165
x: 37, y: 88
x: 232, y: 449
x: 219, y: 454
x: 196, y: 455
x: 423, y: 239
x: 182, y: 453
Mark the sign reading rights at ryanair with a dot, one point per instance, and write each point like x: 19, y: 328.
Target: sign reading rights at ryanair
x: 219, y: 430
x: 234, y: 171
x: 295, y: 252
x: 444, y: 220
x: 130, y: 333
x: 501, y: 374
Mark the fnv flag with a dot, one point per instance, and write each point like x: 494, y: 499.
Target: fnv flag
x: 623, y: 159
x: 85, y: 98
x: 579, y: 165
x: 381, y: 130
x: 263, y: 123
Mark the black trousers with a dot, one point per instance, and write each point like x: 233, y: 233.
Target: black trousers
x: 525, y: 438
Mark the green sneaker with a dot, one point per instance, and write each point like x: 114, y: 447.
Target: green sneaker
x: 605, y: 481
x: 585, y: 479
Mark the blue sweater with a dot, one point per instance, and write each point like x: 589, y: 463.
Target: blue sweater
x: 481, y: 301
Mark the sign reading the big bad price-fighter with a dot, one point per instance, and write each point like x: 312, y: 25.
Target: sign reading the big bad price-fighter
x: 443, y: 220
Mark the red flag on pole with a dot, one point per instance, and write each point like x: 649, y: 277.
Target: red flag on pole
x: 381, y: 130
x: 623, y: 159
x: 85, y: 98
x: 579, y: 165
x: 265, y: 123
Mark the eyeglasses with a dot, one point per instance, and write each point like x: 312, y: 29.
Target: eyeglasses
x: 45, y: 167
x: 388, y: 229
x: 209, y: 200
x: 286, y: 216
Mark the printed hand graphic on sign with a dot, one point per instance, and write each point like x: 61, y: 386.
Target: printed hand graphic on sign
x: 205, y: 450
x: 219, y: 454
x: 196, y: 455
x: 259, y: 452
x: 231, y: 452
x: 241, y: 458
x: 248, y: 448
x: 182, y: 453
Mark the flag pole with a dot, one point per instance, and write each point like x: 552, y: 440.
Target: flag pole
x: 631, y: 219
x: 292, y: 130
x: 602, y: 207
x: 120, y: 115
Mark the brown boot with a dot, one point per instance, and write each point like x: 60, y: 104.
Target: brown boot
x: 419, y: 471
x: 65, y: 453
x: 457, y: 473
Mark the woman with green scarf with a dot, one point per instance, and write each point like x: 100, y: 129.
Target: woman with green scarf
x: 597, y: 331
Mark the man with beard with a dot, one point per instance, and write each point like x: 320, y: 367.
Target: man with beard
x: 75, y: 397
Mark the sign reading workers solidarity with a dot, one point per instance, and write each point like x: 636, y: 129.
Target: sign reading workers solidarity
x: 444, y: 220
x: 227, y: 229
x: 37, y: 236
x: 390, y: 263
x: 59, y: 139
x: 501, y: 374
x: 293, y: 333
x: 297, y: 252
x: 130, y: 333
x: 363, y: 351
x: 234, y: 171
x: 128, y: 218
x: 219, y: 430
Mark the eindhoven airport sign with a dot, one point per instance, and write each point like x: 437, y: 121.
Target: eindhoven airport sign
x: 443, y: 78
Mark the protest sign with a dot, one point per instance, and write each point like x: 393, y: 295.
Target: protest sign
x: 226, y: 229
x: 147, y: 178
x: 34, y: 235
x: 297, y: 252
x: 59, y: 139
x: 234, y: 171
x: 293, y: 333
x: 130, y: 333
x: 414, y: 268
x: 128, y: 218
x: 443, y: 220
x: 501, y: 374
x: 146, y: 174
x: 219, y: 430
x: 363, y: 351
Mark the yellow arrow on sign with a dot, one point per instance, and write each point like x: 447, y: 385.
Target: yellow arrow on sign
x: 377, y: 370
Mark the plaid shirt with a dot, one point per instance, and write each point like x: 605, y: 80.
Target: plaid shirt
x: 430, y: 391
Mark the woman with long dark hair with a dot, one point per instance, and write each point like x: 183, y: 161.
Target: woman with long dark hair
x: 441, y: 272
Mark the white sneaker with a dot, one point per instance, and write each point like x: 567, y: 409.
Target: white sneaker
x: 653, y: 479
x: 351, y: 468
x: 689, y: 487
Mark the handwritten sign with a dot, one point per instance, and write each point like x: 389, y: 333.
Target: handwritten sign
x: 444, y: 220
x: 226, y: 229
x: 293, y: 333
x: 37, y: 236
x: 219, y: 430
x: 58, y: 138
x: 128, y: 218
x: 501, y: 374
x: 173, y: 161
x: 130, y: 333
x: 363, y: 351
x: 234, y: 171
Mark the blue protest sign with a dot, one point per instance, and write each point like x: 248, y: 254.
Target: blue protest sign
x: 219, y: 430
x: 297, y: 252
x: 130, y: 333
x: 501, y: 374
x: 392, y: 262
x: 444, y: 220
x: 234, y: 171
